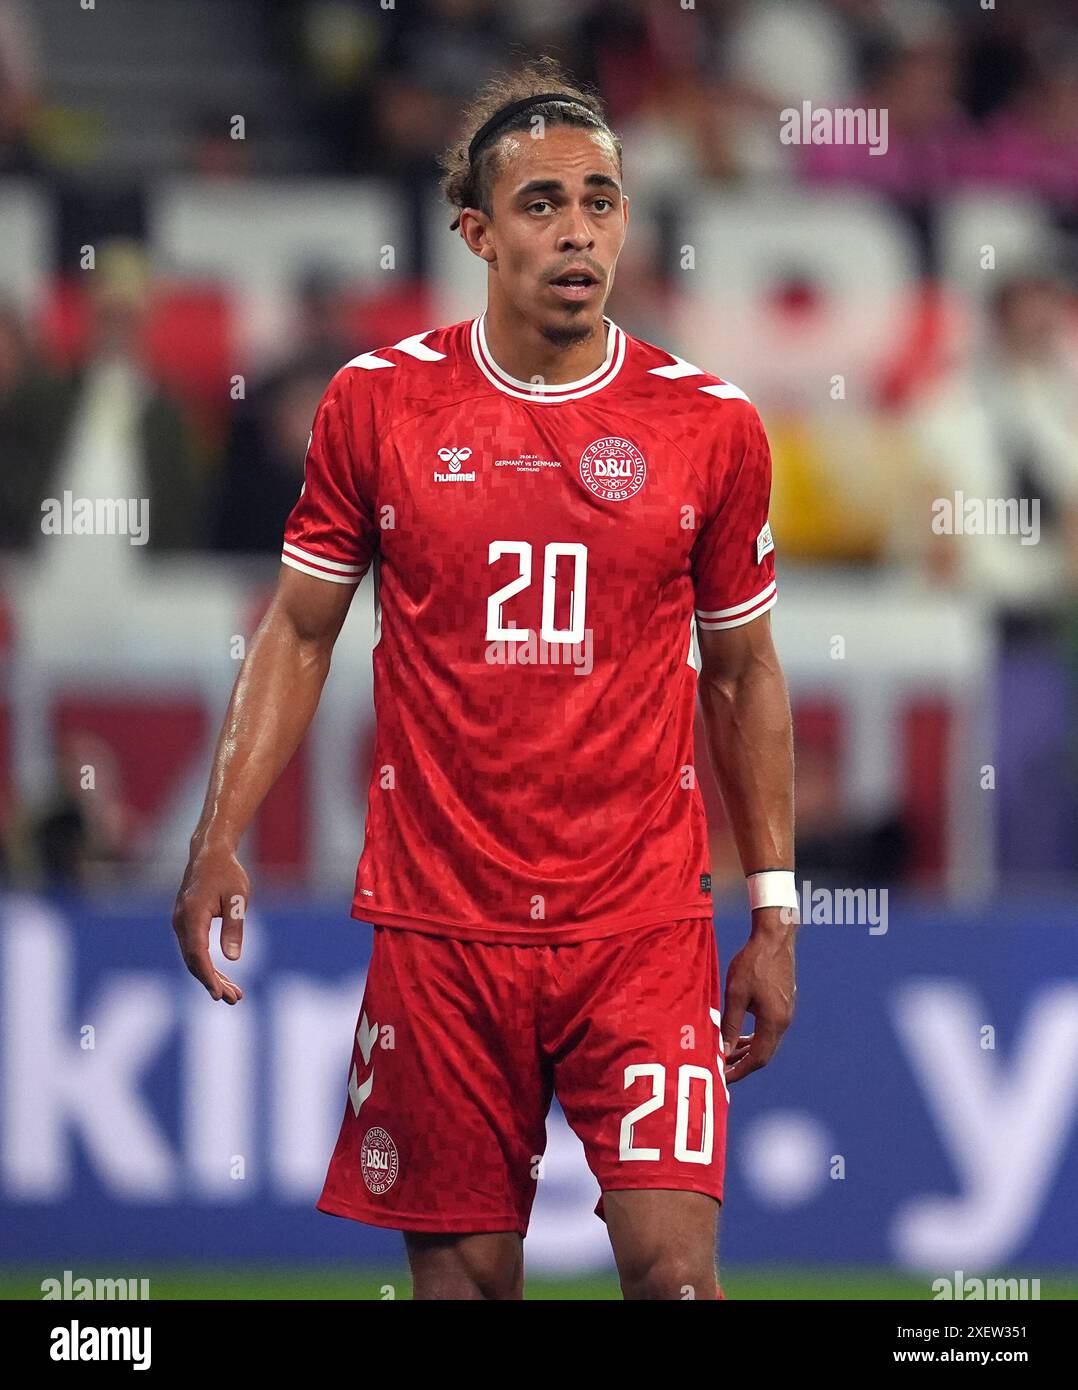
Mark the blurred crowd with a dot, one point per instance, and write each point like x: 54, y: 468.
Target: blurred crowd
x: 979, y: 93
x: 978, y: 97
x: 985, y: 98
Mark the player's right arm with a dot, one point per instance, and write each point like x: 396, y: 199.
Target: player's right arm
x: 273, y: 702
x: 330, y: 540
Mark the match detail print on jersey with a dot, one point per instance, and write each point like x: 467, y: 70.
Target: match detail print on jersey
x: 538, y: 574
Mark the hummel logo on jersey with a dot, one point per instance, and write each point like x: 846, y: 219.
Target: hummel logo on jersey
x: 454, y: 457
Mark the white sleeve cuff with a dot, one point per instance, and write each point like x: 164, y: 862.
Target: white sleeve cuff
x: 740, y: 613
x: 318, y: 566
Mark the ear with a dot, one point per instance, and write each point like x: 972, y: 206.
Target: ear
x: 475, y: 230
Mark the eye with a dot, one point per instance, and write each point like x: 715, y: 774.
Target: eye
x: 608, y: 201
x: 539, y: 203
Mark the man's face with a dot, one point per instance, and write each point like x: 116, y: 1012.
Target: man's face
x: 559, y: 221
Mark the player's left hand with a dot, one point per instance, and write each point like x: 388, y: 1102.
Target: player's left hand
x: 760, y: 980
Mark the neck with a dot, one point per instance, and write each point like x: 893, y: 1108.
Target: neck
x: 520, y: 348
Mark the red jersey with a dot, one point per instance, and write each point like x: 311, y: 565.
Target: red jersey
x: 539, y: 554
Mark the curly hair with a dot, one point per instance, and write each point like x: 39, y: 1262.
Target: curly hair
x: 468, y: 185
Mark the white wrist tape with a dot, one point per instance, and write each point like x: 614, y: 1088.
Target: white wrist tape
x: 772, y: 888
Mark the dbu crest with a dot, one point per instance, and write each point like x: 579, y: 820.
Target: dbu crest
x: 613, y: 469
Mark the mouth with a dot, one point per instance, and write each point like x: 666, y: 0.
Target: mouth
x: 575, y: 285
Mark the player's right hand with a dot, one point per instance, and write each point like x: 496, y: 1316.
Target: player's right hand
x: 215, y: 884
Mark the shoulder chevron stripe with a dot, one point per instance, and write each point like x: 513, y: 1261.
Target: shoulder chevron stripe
x: 413, y: 346
x: 724, y: 390
x: 416, y: 347
x: 679, y: 367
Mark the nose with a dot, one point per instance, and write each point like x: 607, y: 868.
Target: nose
x: 575, y: 235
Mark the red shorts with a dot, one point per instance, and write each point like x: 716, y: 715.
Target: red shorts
x: 461, y: 1044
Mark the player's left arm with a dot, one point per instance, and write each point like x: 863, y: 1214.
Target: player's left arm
x: 746, y: 712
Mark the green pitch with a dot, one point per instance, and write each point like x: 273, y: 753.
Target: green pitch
x: 217, y: 1281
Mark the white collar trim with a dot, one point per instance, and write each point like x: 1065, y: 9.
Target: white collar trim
x: 548, y: 395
